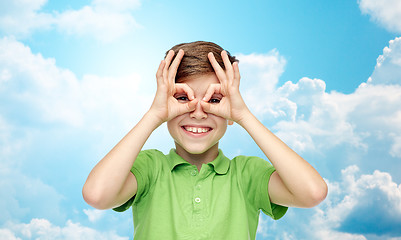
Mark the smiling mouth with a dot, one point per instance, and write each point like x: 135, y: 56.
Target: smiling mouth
x: 197, y: 130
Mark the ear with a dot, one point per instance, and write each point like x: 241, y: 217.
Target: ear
x: 230, y: 122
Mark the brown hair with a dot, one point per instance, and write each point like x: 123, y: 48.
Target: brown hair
x: 195, y: 60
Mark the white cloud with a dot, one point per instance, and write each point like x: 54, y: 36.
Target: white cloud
x: 37, y: 82
x: 385, y: 12
x: 94, y: 214
x: 262, y: 68
x: 23, y: 196
x: 116, y: 5
x: 395, y: 150
x: 21, y: 17
x: 359, y: 205
x: 388, y: 67
x: 9, y: 144
x: 262, y: 226
x: 330, y: 119
x: 310, y: 119
x: 100, y: 23
x: 317, y: 117
x: 45, y: 93
x: 43, y: 229
x: 333, y: 235
x: 270, y: 229
x: 260, y: 74
x: 103, y: 20
x: 7, y: 235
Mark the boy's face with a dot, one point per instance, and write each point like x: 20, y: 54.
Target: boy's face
x: 197, y: 132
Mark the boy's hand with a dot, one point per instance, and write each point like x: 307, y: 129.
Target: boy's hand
x: 231, y: 105
x: 165, y: 106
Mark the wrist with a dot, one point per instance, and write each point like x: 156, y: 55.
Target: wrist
x: 152, y: 118
x: 244, y: 118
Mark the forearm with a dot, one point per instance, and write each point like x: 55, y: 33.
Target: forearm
x: 107, y: 179
x: 304, y: 184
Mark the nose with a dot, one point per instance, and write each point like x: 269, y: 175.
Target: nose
x: 198, y: 113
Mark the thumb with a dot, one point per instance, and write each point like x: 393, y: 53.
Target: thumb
x: 188, y: 107
x: 209, y: 108
x: 191, y: 105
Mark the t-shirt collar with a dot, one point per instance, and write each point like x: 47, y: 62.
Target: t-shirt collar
x: 220, y: 164
x: 175, y: 159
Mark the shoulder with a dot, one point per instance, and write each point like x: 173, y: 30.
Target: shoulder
x: 149, y: 157
x: 251, y: 162
x: 151, y: 153
x: 250, y: 168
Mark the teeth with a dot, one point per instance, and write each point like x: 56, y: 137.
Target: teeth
x: 196, y: 130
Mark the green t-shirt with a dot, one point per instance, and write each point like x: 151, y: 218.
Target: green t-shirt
x: 221, y: 201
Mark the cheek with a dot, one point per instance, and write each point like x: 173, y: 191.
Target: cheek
x: 173, y: 125
x: 170, y: 126
x: 222, y: 125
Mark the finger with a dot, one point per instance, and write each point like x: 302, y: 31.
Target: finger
x: 209, y: 108
x: 174, y: 66
x: 187, y: 107
x: 237, y: 75
x: 212, y: 89
x: 227, y: 64
x: 159, y: 73
x: 217, y: 68
x: 192, y: 105
x: 183, y: 87
x: 167, y: 60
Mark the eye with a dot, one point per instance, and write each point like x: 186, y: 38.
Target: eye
x: 182, y: 98
x: 214, y: 100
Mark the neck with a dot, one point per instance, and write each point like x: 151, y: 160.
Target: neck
x: 198, y: 159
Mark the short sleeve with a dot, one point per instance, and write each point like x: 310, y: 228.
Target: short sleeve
x: 256, y: 174
x: 144, y: 169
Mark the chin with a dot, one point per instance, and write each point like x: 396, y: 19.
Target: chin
x: 196, y: 150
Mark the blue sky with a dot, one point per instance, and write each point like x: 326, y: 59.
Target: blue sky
x: 75, y: 76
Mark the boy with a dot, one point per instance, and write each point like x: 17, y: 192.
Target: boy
x: 195, y: 192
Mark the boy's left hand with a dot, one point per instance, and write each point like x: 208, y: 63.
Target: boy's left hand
x: 231, y: 107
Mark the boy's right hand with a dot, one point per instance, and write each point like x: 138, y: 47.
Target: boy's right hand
x: 166, y: 106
